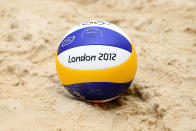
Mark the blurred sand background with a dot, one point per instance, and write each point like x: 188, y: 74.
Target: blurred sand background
x: 162, y: 97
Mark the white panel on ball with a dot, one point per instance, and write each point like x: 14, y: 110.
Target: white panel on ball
x: 93, y: 57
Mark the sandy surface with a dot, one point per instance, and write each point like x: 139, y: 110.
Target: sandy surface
x: 162, y: 97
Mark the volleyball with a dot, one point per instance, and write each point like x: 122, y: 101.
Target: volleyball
x: 96, y: 61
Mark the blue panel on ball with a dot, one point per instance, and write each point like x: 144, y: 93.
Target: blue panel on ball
x: 94, y: 36
x: 97, y: 90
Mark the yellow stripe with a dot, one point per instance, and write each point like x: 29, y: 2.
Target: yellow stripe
x: 97, y: 101
x: 125, y: 72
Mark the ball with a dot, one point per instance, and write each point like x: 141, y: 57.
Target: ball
x: 96, y: 61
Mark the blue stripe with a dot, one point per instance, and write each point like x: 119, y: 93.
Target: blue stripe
x: 95, y: 36
x: 97, y: 90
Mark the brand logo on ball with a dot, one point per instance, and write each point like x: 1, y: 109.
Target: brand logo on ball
x: 68, y: 41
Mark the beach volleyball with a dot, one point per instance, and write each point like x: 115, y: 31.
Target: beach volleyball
x: 96, y: 61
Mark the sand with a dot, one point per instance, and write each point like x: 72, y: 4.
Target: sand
x: 162, y: 96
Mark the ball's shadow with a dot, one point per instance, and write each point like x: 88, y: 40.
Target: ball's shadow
x: 116, y: 103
